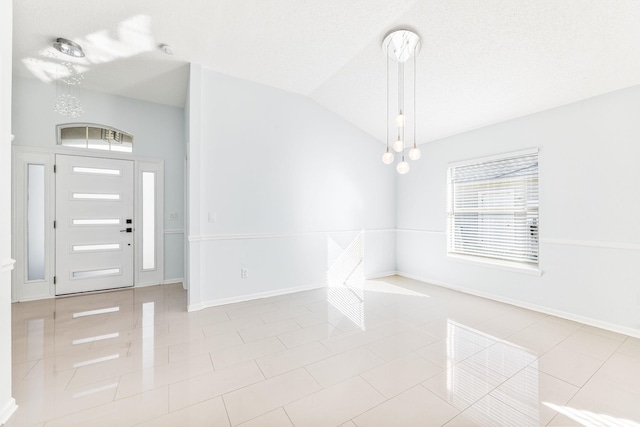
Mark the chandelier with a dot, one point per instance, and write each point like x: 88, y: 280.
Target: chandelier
x: 67, y: 91
x: 401, y: 46
x: 68, y: 81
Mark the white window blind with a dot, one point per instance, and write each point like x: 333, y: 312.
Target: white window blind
x: 493, y: 208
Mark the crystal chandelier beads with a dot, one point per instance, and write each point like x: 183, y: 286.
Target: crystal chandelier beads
x: 67, y: 91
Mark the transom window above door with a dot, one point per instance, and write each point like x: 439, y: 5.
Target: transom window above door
x: 94, y: 137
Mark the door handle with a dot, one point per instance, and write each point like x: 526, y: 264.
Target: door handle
x: 127, y: 230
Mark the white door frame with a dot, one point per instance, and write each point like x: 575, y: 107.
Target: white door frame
x: 23, y: 289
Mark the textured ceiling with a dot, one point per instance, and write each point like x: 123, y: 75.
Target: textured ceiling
x: 481, y: 61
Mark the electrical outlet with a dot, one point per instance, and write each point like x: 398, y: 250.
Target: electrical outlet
x: 173, y: 216
x: 213, y: 217
x: 244, y: 273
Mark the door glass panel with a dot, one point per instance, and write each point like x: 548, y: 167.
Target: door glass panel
x: 97, y: 171
x: 104, y: 247
x: 107, y: 221
x: 95, y: 196
x: 95, y: 273
x: 148, y: 220
x: 35, y: 222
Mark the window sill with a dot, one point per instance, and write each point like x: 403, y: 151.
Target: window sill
x: 501, y: 265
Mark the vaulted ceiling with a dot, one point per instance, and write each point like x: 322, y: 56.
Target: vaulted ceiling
x: 481, y: 62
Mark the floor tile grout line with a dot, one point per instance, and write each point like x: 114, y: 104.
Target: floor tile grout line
x: 596, y: 371
x: 385, y: 398
x: 459, y: 411
x: 226, y: 410
x: 255, y: 361
x: 505, y: 381
x: 288, y: 416
x: 288, y: 403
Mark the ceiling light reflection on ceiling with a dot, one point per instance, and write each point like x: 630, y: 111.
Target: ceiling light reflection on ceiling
x: 134, y: 37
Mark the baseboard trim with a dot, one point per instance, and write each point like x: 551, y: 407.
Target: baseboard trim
x: 7, y: 411
x: 251, y: 297
x: 539, y: 308
x: 36, y: 298
x: 194, y: 307
x: 172, y: 281
x: 145, y: 285
x: 379, y: 275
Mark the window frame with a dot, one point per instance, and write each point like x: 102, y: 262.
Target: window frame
x: 455, y: 254
x: 125, y: 147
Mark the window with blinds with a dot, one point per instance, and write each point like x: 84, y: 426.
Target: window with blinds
x: 493, y: 208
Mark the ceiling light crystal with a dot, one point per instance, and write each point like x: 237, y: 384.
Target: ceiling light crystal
x: 68, y: 106
x: 67, y: 101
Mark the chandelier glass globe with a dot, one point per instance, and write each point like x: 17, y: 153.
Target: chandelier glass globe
x: 387, y: 157
x: 415, y: 153
x: 398, y: 146
x: 403, y: 167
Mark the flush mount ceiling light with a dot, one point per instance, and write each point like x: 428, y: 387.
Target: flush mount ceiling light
x: 68, y: 47
x: 167, y: 49
x: 401, y: 46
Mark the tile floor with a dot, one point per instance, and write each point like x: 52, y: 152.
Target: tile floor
x: 390, y: 352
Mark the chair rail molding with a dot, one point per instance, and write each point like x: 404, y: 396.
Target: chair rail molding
x: 7, y: 265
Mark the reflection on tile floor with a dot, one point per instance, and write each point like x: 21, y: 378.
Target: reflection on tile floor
x: 389, y: 352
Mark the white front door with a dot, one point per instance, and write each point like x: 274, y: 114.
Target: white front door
x: 94, y: 224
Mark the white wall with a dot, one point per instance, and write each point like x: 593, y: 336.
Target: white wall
x: 589, y: 211
x: 7, y: 403
x: 289, y: 182
x: 158, y: 131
